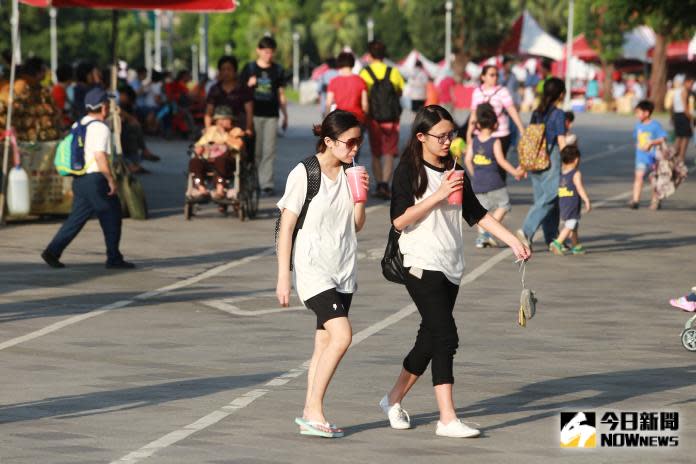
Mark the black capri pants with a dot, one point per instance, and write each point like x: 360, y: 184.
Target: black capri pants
x: 437, y: 338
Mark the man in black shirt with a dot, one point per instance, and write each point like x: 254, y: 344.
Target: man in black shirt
x: 266, y: 80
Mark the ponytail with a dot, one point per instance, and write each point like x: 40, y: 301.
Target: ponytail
x: 334, y: 124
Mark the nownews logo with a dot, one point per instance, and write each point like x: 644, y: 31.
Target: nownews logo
x: 629, y: 429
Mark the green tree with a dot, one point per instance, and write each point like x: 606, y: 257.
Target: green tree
x: 479, y: 28
x: 603, y: 26
x: 671, y: 20
x: 276, y: 18
x: 338, y: 25
x: 552, y: 15
x: 390, y: 18
x: 426, y: 27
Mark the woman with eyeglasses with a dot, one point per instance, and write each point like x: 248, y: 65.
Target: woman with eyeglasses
x: 324, y: 255
x: 502, y: 102
x: 432, y: 244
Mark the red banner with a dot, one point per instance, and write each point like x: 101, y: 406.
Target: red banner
x: 177, y: 5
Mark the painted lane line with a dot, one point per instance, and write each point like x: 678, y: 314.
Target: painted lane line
x: 143, y: 296
x: 146, y: 295
x: 249, y: 397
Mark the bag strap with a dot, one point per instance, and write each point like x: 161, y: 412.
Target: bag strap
x: 372, y: 74
x: 311, y: 165
x: 387, y: 73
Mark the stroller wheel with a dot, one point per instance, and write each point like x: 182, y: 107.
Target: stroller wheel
x: 689, y: 339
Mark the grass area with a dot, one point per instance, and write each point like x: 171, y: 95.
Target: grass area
x: 292, y: 95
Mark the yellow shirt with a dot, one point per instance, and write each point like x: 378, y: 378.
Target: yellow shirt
x: 380, y: 70
x: 215, y: 135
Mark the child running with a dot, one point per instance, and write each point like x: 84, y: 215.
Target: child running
x: 648, y: 133
x: 570, y: 191
x: 432, y: 244
x: 484, y: 159
x: 324, y: 256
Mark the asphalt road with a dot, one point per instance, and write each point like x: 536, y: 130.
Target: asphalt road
x: 187, y: 359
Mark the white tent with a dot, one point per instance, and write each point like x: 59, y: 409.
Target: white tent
x: 528, y: 38
x: 408, y: 64
x: 637, y: 43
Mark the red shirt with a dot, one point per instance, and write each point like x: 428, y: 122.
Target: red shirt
x: 347, y: 91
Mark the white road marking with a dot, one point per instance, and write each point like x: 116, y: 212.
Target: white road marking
x: 143, y: 296
x: 146, y: 295
x: 227, y: 305
x: 251, y: 396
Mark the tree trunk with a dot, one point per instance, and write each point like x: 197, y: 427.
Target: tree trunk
x: 658, y: 75
x: 608, y: 69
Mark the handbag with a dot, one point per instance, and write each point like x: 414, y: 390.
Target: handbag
x: 393, y: 260
x: 531, y: 148
x: 528, y: 301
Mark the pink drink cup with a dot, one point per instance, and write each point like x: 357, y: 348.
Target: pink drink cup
x: 455, y: 198
x: 355, y: 182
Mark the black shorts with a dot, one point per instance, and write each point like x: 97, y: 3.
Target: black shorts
x: 328, y: 305
x: 682, y: 128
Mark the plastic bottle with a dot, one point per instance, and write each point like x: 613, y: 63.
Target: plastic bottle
x: 18, y: 192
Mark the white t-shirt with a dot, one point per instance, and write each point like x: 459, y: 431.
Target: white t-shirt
x: 154, y: 91
x: 98, y: 138
x: 325, y: 254
x: 435, y: 243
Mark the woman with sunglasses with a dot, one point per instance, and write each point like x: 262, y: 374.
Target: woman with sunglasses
x: 502, y: 102
x: 324, y: 258
x: 432, y: 244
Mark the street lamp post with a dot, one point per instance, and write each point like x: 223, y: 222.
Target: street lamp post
x: 194, y: 62
x: 203, y: 31
x: 148, y: 53
x: 569, y: 53
x: 158, y: 40
x: 370, y: 29
x: 448, y: 34
x: 295, y: 60
x: 53, y: 14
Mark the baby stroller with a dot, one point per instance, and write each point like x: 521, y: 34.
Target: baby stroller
x: 688, y: 336
x: 245, y: 204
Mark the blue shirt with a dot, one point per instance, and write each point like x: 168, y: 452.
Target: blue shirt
x: 644, y: 133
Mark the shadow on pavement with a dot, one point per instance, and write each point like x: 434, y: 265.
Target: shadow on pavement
x: 80, y: 304
x: 109, y: 401
x: 537, y: 400
x: 27, y: 275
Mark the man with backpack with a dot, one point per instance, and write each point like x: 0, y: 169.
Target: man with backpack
x: 267, y: 80
x: 94, y: 188
x: 385, y: 85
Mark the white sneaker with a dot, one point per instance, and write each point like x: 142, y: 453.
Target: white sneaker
x: 398, y: 417
x: 456, y: 429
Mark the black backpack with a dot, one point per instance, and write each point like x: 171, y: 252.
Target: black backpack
x: 311, y: 165
x: 385, y: 105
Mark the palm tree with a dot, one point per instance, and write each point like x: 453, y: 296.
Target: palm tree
x: 337, y: 26
x: 275, y: 19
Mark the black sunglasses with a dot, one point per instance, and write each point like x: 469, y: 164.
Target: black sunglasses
x: 351, y: 143
x: 441, y: 139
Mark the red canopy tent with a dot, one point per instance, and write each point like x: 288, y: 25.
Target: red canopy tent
x: 178, y: 5
x: 676, y: 51
x: 582, y: 50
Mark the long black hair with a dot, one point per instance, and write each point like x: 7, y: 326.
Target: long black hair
x: 553, y: 89
x: 333, y: 125
x: 426, y: 118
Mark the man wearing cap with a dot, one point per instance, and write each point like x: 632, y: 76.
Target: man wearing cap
x: 94, y: 193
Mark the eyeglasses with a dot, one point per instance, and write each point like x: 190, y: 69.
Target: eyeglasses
x: 351, y: 143
x: 441, y: 139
